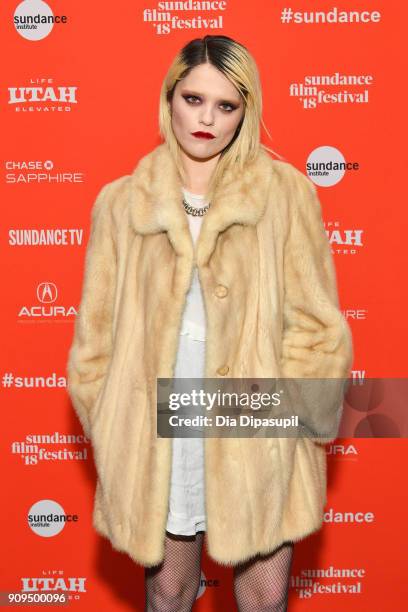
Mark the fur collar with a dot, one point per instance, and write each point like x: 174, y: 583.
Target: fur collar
x: 156, y: 206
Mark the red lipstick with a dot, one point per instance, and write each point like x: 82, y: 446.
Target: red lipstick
x: 203, y: 135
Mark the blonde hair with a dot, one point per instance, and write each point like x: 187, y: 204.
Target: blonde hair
x: 238, y: 65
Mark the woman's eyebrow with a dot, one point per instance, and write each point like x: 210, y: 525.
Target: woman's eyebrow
x: 196, y: 93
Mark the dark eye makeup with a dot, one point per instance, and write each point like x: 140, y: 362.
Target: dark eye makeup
x: 232, y: 106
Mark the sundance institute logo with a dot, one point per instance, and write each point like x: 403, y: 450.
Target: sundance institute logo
x: 34, y: 19
x: 47, y: 518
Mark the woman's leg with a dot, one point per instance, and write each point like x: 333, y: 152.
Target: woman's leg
x: 261, y: 584
x: 172, y: 586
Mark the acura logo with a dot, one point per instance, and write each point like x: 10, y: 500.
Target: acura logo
x: 47, y: 293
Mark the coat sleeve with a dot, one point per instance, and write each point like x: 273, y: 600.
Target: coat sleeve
x: 90, y: 351
x: 317, y: 341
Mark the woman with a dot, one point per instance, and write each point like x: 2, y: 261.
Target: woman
x: 211, y: 260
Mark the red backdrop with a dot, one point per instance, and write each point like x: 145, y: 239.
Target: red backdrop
x: 80, y: 107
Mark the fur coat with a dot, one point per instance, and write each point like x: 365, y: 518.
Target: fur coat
x: 269, y: 289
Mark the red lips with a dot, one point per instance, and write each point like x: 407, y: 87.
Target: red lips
x: 203, y: 135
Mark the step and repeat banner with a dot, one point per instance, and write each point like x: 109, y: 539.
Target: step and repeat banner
x: 79, y: 101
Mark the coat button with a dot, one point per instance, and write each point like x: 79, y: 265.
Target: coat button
x: 221, y: 291
x: 222, y: 370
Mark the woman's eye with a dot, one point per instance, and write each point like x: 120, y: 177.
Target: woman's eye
x: 189, y: 98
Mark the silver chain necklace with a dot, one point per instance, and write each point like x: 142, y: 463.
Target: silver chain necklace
x: 195, y: 211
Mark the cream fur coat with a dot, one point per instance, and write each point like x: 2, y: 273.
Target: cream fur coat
x: 269, y: 289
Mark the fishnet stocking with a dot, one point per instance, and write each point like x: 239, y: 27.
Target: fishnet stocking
x: 172, y: 586
x: 261, y: 584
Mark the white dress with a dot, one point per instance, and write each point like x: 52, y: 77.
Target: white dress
x: 186, y: 513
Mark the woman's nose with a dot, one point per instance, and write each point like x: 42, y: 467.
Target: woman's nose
x: 207, y: 116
